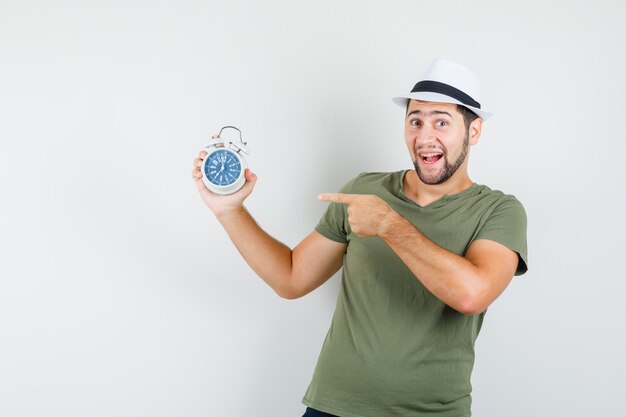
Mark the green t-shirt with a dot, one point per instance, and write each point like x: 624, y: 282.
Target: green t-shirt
x: 393, y: 348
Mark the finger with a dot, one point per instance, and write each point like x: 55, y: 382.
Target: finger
x: 250, y: 179
x: 197, y: 162
x: 335, y: 198
x: 250, y: 176
x: 202, y: 154
x: 200, y: 184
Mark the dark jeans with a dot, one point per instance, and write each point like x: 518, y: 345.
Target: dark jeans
x: 310, y: 412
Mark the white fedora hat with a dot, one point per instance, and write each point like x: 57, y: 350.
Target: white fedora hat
x: 447, y: 81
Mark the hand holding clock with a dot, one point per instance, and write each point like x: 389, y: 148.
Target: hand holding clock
x: 221, y: 205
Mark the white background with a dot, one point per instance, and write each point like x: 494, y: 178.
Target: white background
x: 120, y: 295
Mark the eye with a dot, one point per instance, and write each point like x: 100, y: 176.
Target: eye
x: 441, y: 123
x: 414, y: 122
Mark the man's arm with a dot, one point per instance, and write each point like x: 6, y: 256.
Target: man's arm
x: 468, y: 284
x: 291, y: 274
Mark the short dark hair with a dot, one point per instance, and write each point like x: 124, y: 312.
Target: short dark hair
x: 468, y: 115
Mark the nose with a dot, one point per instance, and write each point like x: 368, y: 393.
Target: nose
x: 426, y: 134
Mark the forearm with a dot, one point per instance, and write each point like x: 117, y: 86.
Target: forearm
x: 268, y: 258
x: 450, y: 277
x: 467, y: 283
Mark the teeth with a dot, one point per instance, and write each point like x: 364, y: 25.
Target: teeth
x: 426, y: 155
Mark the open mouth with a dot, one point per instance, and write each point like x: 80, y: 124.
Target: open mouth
x: 430, y: 157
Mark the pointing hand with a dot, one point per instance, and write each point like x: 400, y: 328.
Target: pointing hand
x: 368, y: 215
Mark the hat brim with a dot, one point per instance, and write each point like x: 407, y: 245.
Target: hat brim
x: 437, y: 98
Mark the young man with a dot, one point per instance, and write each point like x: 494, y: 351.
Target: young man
x: 424, y: 253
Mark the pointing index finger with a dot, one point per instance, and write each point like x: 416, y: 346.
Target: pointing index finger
x: 335, y: 198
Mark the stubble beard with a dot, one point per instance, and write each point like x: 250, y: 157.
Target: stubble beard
x: 447, y: 170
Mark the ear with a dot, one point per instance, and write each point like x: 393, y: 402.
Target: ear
x: 475, y: 129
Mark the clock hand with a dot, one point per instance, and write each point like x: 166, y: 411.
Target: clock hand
x: 221, y: 169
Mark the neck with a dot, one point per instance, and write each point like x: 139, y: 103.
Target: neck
x: 424, y: 194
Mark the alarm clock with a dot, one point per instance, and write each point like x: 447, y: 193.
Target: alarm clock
x: 224, y: 166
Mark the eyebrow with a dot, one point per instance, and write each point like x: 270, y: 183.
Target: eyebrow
x: 429, y: 113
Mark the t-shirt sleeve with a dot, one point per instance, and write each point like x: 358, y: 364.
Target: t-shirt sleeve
x: 507, y: 225
x: 334, y: 222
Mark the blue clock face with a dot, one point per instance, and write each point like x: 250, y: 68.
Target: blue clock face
x: 222, y: 168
